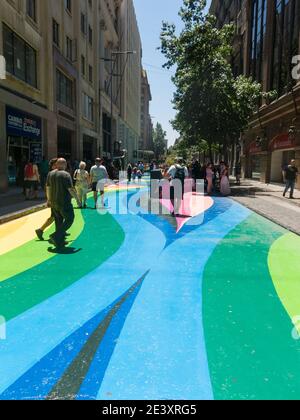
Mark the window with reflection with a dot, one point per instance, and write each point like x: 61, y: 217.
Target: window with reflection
x: 258, y: 35
x: 285, y: 43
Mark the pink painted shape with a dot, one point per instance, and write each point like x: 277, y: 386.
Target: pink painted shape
x: 193, y: 205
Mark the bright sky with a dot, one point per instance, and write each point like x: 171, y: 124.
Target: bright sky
x: 150, y: 14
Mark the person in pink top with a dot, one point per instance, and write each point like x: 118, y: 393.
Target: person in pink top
x: 209, y: 177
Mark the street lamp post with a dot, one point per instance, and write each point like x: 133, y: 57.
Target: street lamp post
x: 112, y: 60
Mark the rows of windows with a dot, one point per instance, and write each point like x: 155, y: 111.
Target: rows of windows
x: 285, y: 43
x: 258, y: 35
x: 20, y: 57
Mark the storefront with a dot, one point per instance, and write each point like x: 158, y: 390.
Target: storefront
x: 89, y: 148
x: 65, y: 143
x: 255, y: 161
x: 282, y: 149
x: 24, y: 142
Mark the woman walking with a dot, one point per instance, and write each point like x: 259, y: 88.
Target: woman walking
x: 81, y: 178
x: 210, y: 177
x: 225, y: 184
x: 32, y: 179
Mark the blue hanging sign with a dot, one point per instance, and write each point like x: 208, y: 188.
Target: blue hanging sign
x: 20, y: 124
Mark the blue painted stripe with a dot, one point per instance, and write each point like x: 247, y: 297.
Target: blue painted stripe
x: 35, y: 333
x: 161, y: 352
x: 90, y: 387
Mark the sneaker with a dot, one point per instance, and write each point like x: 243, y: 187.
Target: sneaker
x: 57, y: 245
x: 39, y: 234
x: 292, y: 198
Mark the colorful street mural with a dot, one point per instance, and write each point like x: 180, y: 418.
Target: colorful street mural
x: 145, y: 306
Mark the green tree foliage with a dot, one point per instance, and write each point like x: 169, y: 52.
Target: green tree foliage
x: 211, y: 103
x: 159, y: 140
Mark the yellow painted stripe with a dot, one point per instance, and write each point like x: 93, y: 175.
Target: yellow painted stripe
x: 18, y: 232
x: 284, y: 265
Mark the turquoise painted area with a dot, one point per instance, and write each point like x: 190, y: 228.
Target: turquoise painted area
x: 161, y: 352
x: 55, y: 319
x: 148, y: 300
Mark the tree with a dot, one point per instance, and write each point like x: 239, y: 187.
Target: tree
x: 160, y: 141
x: 211, y: 104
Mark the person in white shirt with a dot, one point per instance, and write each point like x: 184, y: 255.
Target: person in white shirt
x: 81, y: 178
x: 98, y: 179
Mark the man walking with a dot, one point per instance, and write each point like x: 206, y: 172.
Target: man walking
x: 60, y: 191
x: 291, y: 173
x: 177, y: 175
x: 98, y: 178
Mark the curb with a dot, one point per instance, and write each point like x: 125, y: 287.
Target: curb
x: 271, y: 219
x: 19, y: 214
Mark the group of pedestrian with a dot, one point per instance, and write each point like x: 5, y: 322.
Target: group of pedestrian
x: 60, y: 190
x: 135, y: 171
x: 217, y: 176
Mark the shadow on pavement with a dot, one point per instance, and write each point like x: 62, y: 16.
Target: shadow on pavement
x: 64, y: 251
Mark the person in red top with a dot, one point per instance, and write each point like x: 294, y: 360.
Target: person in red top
x: 32, y: 179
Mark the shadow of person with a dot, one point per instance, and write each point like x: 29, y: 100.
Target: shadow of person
x: 64, y: 251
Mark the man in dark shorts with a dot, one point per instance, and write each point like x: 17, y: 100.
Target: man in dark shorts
x: 291, y: 173
x: 60, y: 191
x: 98, y: 178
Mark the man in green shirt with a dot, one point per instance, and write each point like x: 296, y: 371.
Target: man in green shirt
x: 60, y: 191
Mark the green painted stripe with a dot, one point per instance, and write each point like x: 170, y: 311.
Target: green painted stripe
x: 32, y: 287
x: 33, y: 252
x: 284, y: 264
x: 248, y: 334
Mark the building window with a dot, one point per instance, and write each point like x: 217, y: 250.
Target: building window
x: 83, y: 66
x: 258, y: 33
x: 90, y: 36
x: 55, y: 32
x: 285, y: 43
x: 64, y: 90
x: 20, y: 57
x: 83, y: 23
x: 68, y: 5
x: 87, y: 107
x: 90, y: 74
x: 31, y: 9
x: 69, y: 48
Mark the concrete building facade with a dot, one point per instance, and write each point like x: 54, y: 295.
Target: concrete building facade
x: 63, y: 72
x: 267, y: 47
x: 146, y: 146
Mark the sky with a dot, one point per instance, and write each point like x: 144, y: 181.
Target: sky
x: 150, y: 14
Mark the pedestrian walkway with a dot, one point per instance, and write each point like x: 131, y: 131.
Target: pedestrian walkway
x: 143, y: 306
x: 13, y: 202
x: 268, y: 200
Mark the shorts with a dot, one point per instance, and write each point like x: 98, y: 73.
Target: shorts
x: 31, y: 185
x: 95, y: 189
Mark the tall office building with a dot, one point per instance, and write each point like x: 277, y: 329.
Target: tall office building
x: 70, y: 85
x: 266, y: 47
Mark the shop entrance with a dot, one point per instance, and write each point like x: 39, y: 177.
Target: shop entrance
x: 280, y: 159
x: 89, y: 148
x: 256, y: 167
x: 17, y: 158
x: 65, y: 143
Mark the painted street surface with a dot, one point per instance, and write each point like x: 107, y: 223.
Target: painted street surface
x: 146, y: 306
